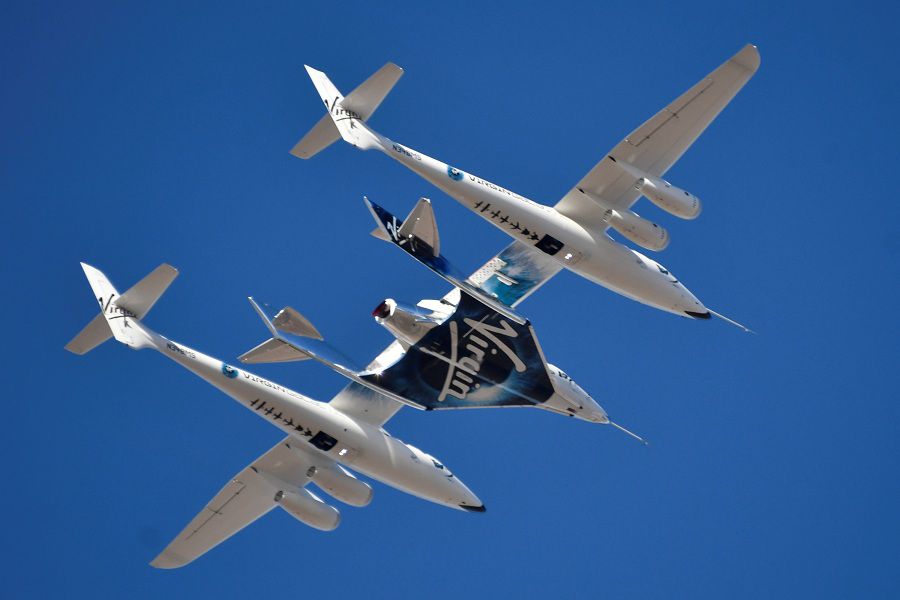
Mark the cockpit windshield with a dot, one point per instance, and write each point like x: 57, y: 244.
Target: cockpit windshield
x: 441, y: 467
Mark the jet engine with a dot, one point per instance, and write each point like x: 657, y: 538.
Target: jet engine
x: 671, y: 199
x: 340, y: 484
x: 408, y: 323
x: 309, y: 508
x: 639, y: 230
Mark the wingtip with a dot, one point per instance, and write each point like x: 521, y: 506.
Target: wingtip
x: 168, y: 560
x: 748, y: 57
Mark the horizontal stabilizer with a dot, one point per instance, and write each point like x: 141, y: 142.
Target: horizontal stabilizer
x: 119, y: 314
x: 324, y: 134
x: 141, y: 297
x: 347, y: 115
x: 362, y: 102
x: 94, y: 333
x: 368, y: 96
x: 423, y: 251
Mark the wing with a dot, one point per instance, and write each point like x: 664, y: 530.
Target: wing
x: 655, y: 146
x: 366, y: 404
x: 514, y: 274
x: 503, y: 282
x: 244, y: 499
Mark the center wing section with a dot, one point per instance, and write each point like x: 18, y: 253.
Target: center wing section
x: 502, y: 283
x: 365, y: 404
x: 654, y: 147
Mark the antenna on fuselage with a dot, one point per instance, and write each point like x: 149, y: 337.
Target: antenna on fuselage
x: 631, y: 433
x: 727, y: 320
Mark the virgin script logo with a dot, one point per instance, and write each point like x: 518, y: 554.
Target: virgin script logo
x: 482, y: 340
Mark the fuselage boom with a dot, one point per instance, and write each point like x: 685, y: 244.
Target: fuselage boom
x: 324, y: 430
x: 591, y: 254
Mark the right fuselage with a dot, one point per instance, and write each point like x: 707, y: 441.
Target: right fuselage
x: 591, y: 254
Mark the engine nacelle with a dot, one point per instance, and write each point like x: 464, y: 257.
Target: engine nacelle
x: 671, y: 199
x: 342, y: 485
x: 408, y: 323
x: 639, y: 230
x: 309, y: 508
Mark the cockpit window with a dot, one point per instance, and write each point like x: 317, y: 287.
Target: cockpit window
x: 441, y: 467
x: 662, y: 270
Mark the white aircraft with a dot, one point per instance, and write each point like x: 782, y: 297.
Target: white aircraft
x: 321, y: 437
x: 573, y: 232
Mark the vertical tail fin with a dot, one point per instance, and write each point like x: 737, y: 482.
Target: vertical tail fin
x: 347, y: 115
x: 119, y: 314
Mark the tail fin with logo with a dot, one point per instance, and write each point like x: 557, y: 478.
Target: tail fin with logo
x: 347, y: 114
x: 120, y: 313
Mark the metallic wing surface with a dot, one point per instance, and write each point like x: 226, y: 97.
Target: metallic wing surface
x: 654, y: 147
x: 249, y: 495
x: 365, y: 404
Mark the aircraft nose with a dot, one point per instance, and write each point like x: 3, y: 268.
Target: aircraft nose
x: 594, y: 413
x: 691, y: 306
x: 468, y: 500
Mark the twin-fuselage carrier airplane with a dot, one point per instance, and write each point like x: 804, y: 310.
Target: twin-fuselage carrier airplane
x: 466, y: 350
x: 469, y: 349
x: 573, y: 232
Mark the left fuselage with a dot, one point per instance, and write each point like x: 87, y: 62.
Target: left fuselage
x: 325, y: 430
x: 591, y: 254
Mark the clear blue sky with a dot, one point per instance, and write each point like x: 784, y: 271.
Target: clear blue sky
x: 137, y: 134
